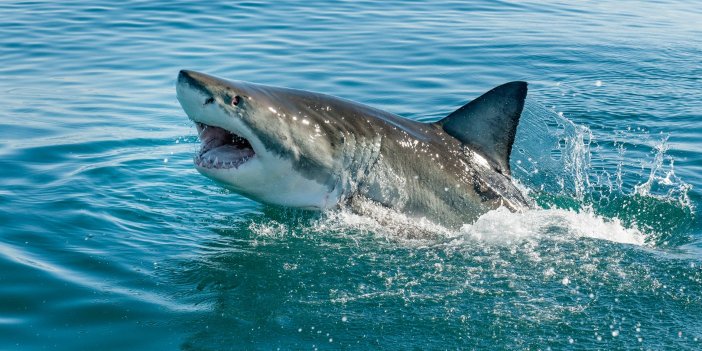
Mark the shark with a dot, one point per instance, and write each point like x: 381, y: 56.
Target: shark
x: 308, y: 150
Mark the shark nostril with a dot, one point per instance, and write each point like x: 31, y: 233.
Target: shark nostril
x: 209, y: 101
x: 235, y: 100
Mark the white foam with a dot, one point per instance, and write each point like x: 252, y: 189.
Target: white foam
x: 501, y: 225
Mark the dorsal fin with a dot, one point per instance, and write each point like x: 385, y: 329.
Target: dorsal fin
x: 488, y: 124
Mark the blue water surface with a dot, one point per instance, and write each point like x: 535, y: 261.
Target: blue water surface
x: 110, y: 240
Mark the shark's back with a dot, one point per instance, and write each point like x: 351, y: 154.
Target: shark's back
x: 450, y: 171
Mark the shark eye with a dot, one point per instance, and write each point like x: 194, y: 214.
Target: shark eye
x: 235, y: 100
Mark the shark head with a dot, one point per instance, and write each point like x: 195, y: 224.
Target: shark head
x: 260, y: 141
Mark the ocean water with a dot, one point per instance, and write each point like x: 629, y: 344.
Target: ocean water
x: 110, y: 240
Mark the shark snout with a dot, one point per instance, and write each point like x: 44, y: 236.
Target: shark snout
x: 205, y: 88
x: 190, y: 93
x: 201, y: 81
x: 190, y: 77
x: 185, y: 74
x: 191, y: 80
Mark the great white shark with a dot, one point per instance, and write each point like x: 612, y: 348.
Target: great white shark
x: 309, y: 150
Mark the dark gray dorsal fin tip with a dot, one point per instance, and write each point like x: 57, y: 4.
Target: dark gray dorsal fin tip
x: 488, y: 124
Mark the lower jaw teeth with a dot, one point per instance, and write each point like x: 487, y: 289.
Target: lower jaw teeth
x: 216, y: 163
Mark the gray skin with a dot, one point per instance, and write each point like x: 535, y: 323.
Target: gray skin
x: 356, y: 152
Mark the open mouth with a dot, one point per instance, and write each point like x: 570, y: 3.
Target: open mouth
x: 221, y: 149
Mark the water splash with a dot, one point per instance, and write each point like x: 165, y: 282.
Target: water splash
x: 662, y: 183
x: 503, y: 226
x: 605, y: 174
x: 578, y: 159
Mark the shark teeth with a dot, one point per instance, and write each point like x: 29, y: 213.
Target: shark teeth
x: 209, y: 162
x: 221, y: 149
